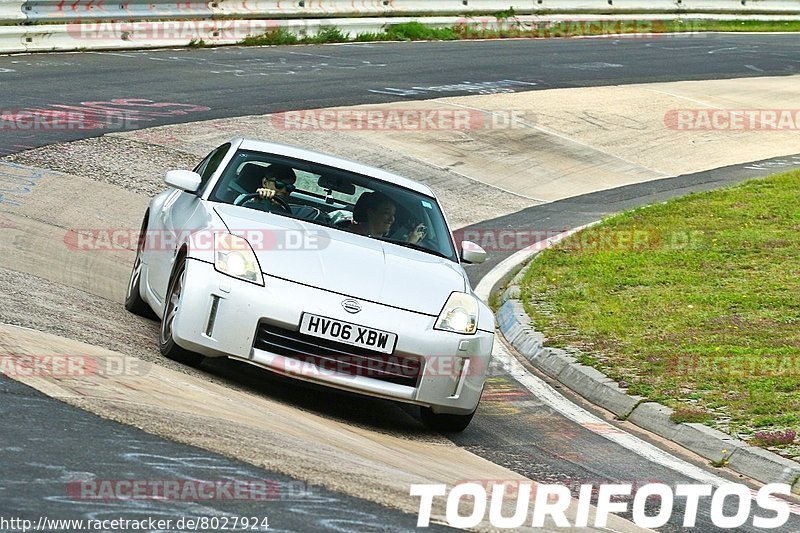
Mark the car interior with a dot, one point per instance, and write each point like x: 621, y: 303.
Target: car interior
x: 327, y: 196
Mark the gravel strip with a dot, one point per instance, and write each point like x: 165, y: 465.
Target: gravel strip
x: 138, y: 160
x: 125, y: 163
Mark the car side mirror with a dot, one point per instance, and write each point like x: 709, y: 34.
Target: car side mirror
x: 472, y: 253
x: 184, y: 180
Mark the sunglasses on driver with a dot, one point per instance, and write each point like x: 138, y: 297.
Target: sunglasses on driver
x: 280, y: 184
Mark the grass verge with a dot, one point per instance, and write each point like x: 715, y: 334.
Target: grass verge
x: 583, y: 28
x: 512, y: 28
x: 694, y: 303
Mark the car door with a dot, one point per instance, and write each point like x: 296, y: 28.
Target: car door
x: 181, y: 214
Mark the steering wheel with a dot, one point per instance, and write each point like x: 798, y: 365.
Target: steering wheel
x: 279, y: 200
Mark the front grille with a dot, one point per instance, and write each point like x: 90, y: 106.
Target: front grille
x: 339, y: 357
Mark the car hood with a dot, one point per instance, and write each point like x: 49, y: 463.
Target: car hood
x: 346, y: 263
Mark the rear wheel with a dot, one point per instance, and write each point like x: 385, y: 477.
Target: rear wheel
x: 166, y: 342
x: 445, y: 423
x: 133, y: 299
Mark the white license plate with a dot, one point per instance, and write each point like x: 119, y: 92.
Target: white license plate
x: 353, y: 334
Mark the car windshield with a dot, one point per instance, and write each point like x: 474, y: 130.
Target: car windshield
x: 337, y: 199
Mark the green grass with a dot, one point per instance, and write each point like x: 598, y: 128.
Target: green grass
x: 411, y: 31
x: 694, y: 303
x: 416, y: 31
x: 273, y: 37
x: 559, y: 30
x: 327, y: 34
x: 511, y: 28
x: 747, y: 25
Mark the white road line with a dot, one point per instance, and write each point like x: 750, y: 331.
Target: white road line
x: 120, y: 54
x: 508, y: 264
x: 598, y: 426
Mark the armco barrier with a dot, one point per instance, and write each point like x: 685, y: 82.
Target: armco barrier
x: 65, y: 10
x: 104, y: 35
x: 740, y: 6
x: 11, y: 11
x: 118, y: 35
x: 667, y: 6
x: 12, y: 39
x: 608, y: 6
x: 332, y: 8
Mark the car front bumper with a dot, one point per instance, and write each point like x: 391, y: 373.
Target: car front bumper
x: 221, y: 316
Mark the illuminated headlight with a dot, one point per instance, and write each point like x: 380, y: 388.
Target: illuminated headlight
x: 460, y: 314
x: 234, y: 257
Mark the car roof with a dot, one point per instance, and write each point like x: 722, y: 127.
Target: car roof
x: 333, y: 161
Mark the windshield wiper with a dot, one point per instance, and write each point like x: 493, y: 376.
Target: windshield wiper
x: 416, y: 246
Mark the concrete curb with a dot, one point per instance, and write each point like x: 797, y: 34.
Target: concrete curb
x: 718, y: 448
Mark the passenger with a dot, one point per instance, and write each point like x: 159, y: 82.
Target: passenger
x: 374, y: 214
x: 276, y: 185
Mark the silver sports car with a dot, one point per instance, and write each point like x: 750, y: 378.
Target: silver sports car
x: 317, y: 268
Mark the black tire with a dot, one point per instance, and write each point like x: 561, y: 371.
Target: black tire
x: 445, y: 423
x: 133, y: 299
x: 166, y: 343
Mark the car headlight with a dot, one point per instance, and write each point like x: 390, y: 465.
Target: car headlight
x: 233, y: 256
x: 460, y: 314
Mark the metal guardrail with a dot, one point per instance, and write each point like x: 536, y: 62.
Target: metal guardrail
x: 11, y: 39
x: 44, y: 25
x: 155, y: 34
x: 106, y: 35
x: 737, y: 6
x: 11, y: 11
x: 67, y: 10
x: 73, y: 10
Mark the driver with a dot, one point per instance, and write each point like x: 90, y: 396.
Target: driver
x: 374, y: 215
x: 276, y: 185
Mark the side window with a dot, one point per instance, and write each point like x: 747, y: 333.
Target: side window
x: 207, y: 167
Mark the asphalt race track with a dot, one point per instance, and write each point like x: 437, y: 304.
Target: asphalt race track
x: 44, y: 440
x: 252, y: 81
x: 36, y: 466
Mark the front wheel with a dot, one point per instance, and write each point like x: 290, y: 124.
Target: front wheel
x: 166, y: 344
x: 445, y: 423
x: 133, y: 299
